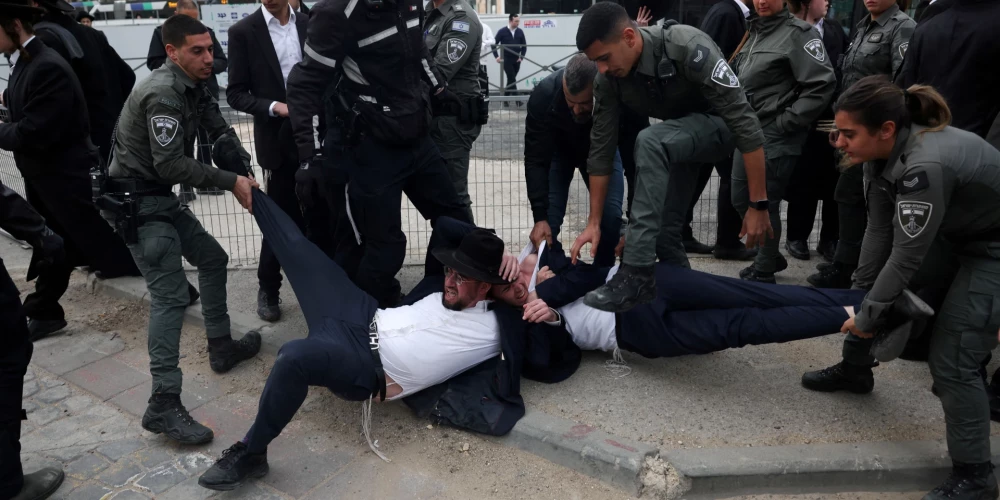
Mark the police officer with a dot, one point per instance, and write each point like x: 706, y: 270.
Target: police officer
x: 677, y: 74
x: 161, y: 117
x: 367, y: 76
x: 789, y: 80
x: 879, y: 44
x: 927, y: 182
x: 453, y: 36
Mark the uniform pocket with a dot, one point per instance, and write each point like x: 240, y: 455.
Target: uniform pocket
x: 984, y: 304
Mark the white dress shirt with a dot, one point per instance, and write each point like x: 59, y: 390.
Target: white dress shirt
x: 286, y: 44
x: 425, y: 344
x: 591, y: 329
x: 17, y: 53
x: 743, y: 8
x: 488, y: 40
x: 819, y: 27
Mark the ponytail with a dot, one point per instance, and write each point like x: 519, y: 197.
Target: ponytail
x: 874, y: 100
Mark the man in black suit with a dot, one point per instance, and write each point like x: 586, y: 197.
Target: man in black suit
x: 263, y: 48
x: 155, y: 58
x: 511, y: 57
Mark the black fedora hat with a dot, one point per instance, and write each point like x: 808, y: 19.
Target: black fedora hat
x: 62, y: 5
x: 478, y: 257
x: 19, y: 8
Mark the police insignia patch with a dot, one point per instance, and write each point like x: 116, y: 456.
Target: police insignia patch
x: 902, y: 48
x: 460, y: 26
x: 723, y: 75
x: 913, y: 216
x: 456, y: 49
x: 875, y: 38
x: 815, y: 49
x: 164, y: 129
x: 698, y: 57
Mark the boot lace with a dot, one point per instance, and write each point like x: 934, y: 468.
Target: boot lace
x: 231, y: 455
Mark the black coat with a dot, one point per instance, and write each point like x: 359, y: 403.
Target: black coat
x: 157, y: 55
x: 725, y: 23
x: 487, y: 397
x: 255, y: 81
x: 505, y: 37
x: 106, y: 79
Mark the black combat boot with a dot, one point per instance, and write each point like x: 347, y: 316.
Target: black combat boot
x: 629, y: 287
x: 224, y: 354
x: 38, y: 329
x: 908, y: 317
x: 236, y: 464
x: 967, y: 482
x: 798, y: 249
x: 40, y: 484
x: 780, y: 264
x: 842, y: 376
x: 836, y: 275
x: 752, y: 274
x: 267, y: 305
x: 167, y: 415
x: 692, y: 245
x: 739, y: 252
x: 827, y: 249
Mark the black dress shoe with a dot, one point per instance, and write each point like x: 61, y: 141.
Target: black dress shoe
x: 224, y: 356
x: 780, y: 264
x: 798, y: 249
x: 267, y: 305
x: 236, y: 464
x: 38, y: 329
x: 167, y: 415
x: 40, y: 484
x: 734, y: 253
x: 908, y: 313
x: 629, y: 287
x: 842, y: 376
x: 752, y: 274
x: 193, y: 294
x: 827, y: 249
x: 692, y: 245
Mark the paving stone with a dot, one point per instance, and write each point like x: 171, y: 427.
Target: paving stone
x: 187, y: 490
x: 29, y: 389
x: 115, y: 450
x: 112, y: 429
x: 45, y: 415
x: 107, y: 377
x: 299, y: 463
x: 152, y: 457
x: 53, y: 395
x: 49, y: 383
x: 78, y: 404
x: 29, y: 406
x: 29, y: 375
x: 129, y: 495
x: 88, y: 492
x: 134, y: 400
x: 67, y: 486
x: 86, y: 467
x: 228, y: 418
x: 195, y: 463
x: 69, y: 353
x: 193, y: 396
x: 120, y: 474
x: 161, y: 478
x: 36, y: 461
x: 66, y: 454
x: 253, y: 491
x: 366, y: 479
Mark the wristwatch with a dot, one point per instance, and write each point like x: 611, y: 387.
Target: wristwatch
x: 760, y: 205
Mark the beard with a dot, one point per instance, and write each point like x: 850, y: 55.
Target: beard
x: 582, y: 119
x: 458, y: 305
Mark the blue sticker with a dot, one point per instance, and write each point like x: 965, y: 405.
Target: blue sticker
x: 460, y: 26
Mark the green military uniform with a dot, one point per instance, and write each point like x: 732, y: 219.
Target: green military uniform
x: 941, y: 186
x: 877, y: 49
x: 681, y: 78
x: 453, y: 36
x: 159, y: 120
x: 789, y: 81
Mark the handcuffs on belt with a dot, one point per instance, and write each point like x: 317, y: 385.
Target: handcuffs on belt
x: 376, y: 359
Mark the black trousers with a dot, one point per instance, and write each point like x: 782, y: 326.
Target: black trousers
x: 729, y: 221
x: 335, y: 354
x: 853, y: 216
x: 484, y: 78
x: 814, y: 179
x: 510, y: 70
x: 280, y: 187
x: 15, y: 353
x: 378, y: 176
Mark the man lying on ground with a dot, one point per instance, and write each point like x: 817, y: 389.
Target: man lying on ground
x: 444, y: 351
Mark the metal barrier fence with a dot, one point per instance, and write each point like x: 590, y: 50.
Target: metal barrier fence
x: 496, y: 185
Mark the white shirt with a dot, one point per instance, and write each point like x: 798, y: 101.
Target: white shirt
x: 286, y: 44
x: 591, y: 329
x: 17, y: 53
x: 425, y: 344
x: 819, y: 27
x: 743, y: 8
x: 488, y: 40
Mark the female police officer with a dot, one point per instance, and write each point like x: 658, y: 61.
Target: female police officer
x: 928, y: 182
x: 788, y: 80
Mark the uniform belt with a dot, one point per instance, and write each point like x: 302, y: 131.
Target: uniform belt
x: 376, y: 360
x: 140, y: 187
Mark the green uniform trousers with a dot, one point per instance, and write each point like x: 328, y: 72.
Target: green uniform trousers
x: 158, y: 255
x: 668, y: 157
x: 779, y: 173
x: 454, y: 141
x: 964, y: 334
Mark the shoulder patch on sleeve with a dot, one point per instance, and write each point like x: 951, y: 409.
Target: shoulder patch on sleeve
x: 698, y: 56
x: 456, y: 49
x: 171, y: 103
x: 723, y: 75
x: 815, y: 49
x: 913, y: 216
x: 912, y: 183
x: 462, y: 26
x: 164, y: 128
x: 902, y: 48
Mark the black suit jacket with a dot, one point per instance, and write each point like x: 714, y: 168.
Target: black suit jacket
x: 835, y: 41
x: 255, y: 82
x: 724, y: 22
x: 48, y: 131
x: 157, y: 55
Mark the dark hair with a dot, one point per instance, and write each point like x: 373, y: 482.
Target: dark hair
x: 176, y: 29
x: 875, y: 100
x: 8, y: 26
x: 186, y: 5
x: 512, y: 16
x: 602, y: 22
x: 579, y: 74
x: 795, y: 6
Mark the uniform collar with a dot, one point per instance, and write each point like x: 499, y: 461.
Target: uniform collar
x: 769, y: 23
x: 887, y: 15
x: 902, y: 138
x: 180, y: 74
x: 444, y: 5
x: 268, y: 16
x: 648, y: 60
x: 743, y: 8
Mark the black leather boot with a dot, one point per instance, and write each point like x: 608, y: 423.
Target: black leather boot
x: 224, y: 355
x: 798, y: 249
x: 967, y: 482
x: 267, y: 305
x: 236, y: 464
x: 40, y: 484
x: 167, y: 415
x: 38, y: 329
x: 836, y: 275
x: 629, y: 287
x: 842, y: 376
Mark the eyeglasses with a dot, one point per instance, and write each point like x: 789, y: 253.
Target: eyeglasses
x: 459, y: 279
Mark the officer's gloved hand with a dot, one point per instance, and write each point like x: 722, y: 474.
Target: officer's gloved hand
x: 309, y: 180
x: 446, y: 103
x: 48, y: 250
